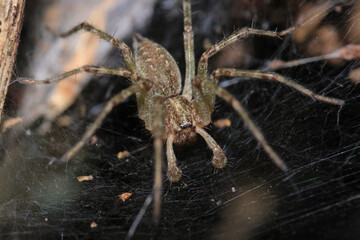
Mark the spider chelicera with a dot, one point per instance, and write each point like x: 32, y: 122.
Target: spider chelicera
x: 172, y: 112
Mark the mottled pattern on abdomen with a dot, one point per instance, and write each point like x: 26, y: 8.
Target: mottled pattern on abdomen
x: 156, y: 64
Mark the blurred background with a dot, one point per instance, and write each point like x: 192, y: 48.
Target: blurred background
x: 250, y: 198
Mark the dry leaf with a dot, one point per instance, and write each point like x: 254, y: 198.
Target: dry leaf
x: 125, y: 196
x: 93, y: 225
x: 123, y: 154
x: 222, y: 123
x: 85, y: 178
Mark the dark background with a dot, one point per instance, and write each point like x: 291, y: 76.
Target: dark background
x: 249, y: 199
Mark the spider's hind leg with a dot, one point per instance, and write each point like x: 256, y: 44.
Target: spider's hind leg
x: 158, y: 131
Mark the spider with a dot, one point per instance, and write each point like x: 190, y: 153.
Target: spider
x: 172, y: 112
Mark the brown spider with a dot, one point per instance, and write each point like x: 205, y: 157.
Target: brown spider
x: 172, y: 112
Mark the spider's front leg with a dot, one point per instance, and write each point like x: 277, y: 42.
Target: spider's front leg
x: 204, y: 100
x: 50, y: 115
x: 201, y: 84
x: 87, y: 68
x: 241, y: 34
x: 136, y: 87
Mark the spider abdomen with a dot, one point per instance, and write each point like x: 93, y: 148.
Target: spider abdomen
x: 155, y: 63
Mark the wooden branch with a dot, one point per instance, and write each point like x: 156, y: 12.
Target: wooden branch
x: 11, y: 18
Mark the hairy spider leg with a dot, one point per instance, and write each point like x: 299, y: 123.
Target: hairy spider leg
x: 158, y: 131
x: 125, y: 49
x: 127, y: 54
x: 189, y: 49
x: 243, y: 113
x: 206, y: 89
x: 232, y: 72
x: 242, y: 33
x: 87, y: 68
x: 109, y: 106
x: 158, y: 121
x: 205, y: 98
x: 201, y: 83
x: 118, y: 98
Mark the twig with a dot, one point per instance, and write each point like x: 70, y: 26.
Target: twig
x: 348, y: 52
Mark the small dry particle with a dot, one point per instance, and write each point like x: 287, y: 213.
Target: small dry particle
x: 222, y: 123
x: 206, y: 43
x: 125, y: 196
x: 93, y: 140
x: 123, y: 154
x: 10, y: 123
x: 85, y: 178
x: 93, y: 224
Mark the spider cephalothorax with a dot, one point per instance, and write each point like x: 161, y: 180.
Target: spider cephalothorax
x: 173, y: 112
x: 179, y: 119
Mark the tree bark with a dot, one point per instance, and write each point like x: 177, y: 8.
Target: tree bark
x: 11, y: 18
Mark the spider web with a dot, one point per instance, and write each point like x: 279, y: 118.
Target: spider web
x: 250, y: 198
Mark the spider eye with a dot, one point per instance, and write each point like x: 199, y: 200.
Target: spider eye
x: 185, y: 125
